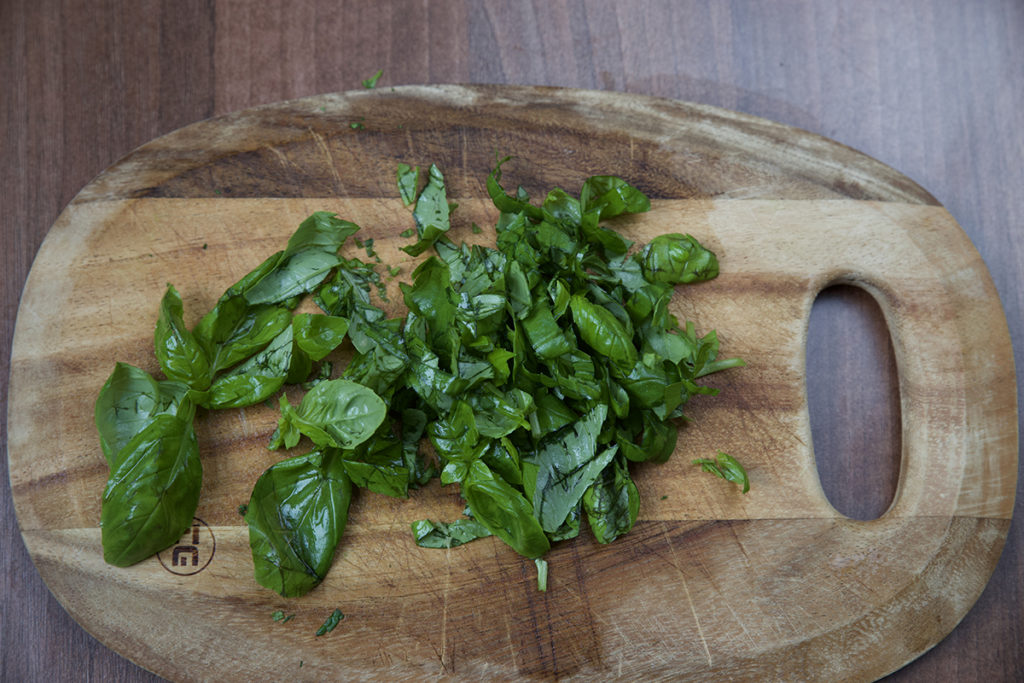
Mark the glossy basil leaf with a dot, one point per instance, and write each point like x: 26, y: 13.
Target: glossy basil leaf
x: 429, y: 534
x: 181, y: 357
x: 414, y: 424
x: 317, y: 335
x: 234, y: 330
x: 153, y: 490
x: 337, y: 413
x: 322, y: 231
x: 726, y: 467
x: 296, y: 516
x: 567, y: 465
x: 297, y: 274
x: 612, y: 503
x: 603, y: 332
x: 547, y: 338
x: 431, y: 213
x: 455, y: 433
x: 128, y: 401
x: 612, y: 196
x: 378, y: 464
x: 678, y: 259
x: 408, y: 178
x: 255, y: 380
x: 504, y: 202
x: 504, y: 511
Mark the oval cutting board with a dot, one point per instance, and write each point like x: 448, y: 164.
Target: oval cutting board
x: 711, y: 584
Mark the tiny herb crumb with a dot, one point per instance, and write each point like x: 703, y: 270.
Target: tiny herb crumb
x: 242, y: 509
x: 280, y: 616
x: 407, y: 233
x: 356, y: 125
x: 331, y: 623
x: 205, y: 245
x: 371, y: 82
x: 395, y: 270
x: 476, y: 229
x: 664, y: 497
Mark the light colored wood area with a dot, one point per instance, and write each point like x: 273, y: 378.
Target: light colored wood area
x: 710, y: 584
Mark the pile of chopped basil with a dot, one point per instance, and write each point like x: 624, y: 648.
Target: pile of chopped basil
x: 537, y: 370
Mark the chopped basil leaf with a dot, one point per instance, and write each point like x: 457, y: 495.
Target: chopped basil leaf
x: 331, y: 623
x: 371, y: 82
x: 726, y: 467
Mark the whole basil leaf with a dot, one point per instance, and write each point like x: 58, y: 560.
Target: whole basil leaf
x: 504, y: 511
x: 153, y: 490
x: 128, y: 401
x: 337, y: 413
x: 296, y: 516
x: 181, y: 357
x: 322, y: 231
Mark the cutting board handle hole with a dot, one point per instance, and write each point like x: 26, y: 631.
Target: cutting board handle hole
x: 851, y: 371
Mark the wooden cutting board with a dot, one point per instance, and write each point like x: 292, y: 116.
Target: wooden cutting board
x: 711, y: 584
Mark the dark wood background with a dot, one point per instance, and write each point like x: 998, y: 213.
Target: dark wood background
x: 934, y: 89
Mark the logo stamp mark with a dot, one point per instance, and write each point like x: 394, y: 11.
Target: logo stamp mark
x: 193, y: 552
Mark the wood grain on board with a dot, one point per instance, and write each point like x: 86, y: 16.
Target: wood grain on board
x: 769, y: 585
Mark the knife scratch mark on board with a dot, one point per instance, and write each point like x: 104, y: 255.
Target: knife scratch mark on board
x: 322, y: 144
x: 689, y: 598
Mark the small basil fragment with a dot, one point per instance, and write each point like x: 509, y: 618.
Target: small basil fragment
x: 331, y: 623
x: 726, y: 467
x: 428, y: 534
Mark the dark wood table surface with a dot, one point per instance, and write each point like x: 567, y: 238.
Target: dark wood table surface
x: 934, y: 89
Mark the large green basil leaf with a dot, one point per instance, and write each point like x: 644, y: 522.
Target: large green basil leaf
x: 296, y: 516
x: 128, y: 401
x: 181, y: 357
x: 153, y: 491
x: 504, y: 511
x: 337, y: 413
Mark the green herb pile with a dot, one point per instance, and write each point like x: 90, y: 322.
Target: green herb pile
x: 538, y: 370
